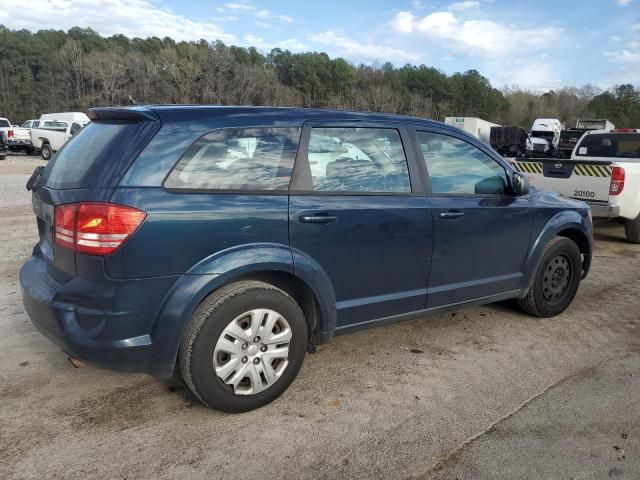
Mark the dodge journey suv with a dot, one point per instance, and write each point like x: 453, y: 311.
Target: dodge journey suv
x: 222, y: 243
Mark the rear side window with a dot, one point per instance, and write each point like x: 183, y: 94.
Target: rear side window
x: 456, y: 167
x: 238, y: 159
x: 98, y: 154
x: 616, y: 145
x: 348, y: 159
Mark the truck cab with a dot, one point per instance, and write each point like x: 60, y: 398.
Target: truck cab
x: 544, y: 136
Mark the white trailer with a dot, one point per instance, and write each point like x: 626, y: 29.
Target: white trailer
x: 477, y: 127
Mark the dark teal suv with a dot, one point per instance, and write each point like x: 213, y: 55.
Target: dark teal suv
x: 225, y: 242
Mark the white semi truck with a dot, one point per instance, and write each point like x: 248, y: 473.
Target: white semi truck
x: 477, y: 127
x: 544, y: 136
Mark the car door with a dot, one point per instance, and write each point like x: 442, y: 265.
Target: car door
x: 357, y: 209
x: 481, y: 230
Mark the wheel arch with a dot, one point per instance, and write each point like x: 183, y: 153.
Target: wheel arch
x: 314, y: 295
x: 570, y: 224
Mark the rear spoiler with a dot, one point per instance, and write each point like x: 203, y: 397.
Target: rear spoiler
x: 122, y: 113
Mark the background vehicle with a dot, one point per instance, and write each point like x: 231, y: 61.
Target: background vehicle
x: 30, y: 124
x: 604, y: 171
x: 53, y: 134
x: 475, y: 126
x: 263, y: 255
x: 4, y: 147
x: 570, y: 137
x: 509, y: 141
x: 18, y: 138
x: 544, y: 137
x: 68, y: 117
x: 594, y: 124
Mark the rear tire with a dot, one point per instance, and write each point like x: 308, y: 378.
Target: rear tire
x: 46, y: 152
x: 556, y: 280
x: 220, y: 359
x: 632, y: 230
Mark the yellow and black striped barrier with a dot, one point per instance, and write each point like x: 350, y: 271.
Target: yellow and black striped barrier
x: 581, y: 169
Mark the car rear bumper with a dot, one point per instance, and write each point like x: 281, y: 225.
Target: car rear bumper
x: 95, y: 335
x: 604, y: 210
x: 19, y: 143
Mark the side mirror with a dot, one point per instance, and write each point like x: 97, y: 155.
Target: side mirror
x: 519, y: 184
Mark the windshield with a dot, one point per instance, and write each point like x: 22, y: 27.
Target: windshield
x: 611, y: 145
x: 542, y: 134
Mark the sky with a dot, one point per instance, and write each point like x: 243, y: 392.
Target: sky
x: 537, y: 45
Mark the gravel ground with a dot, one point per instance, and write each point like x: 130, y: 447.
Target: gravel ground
x: 485, y: 392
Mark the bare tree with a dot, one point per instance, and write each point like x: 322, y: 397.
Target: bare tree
x: 109, y: 72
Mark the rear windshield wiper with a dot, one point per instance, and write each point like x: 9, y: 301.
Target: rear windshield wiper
x: 34, y: 180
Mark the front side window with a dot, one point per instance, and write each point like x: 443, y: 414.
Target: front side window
x: 349, y: 159
x: 238, y: 159
x: 456, y: 167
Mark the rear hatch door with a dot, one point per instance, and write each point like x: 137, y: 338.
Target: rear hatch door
x: 87, y: 169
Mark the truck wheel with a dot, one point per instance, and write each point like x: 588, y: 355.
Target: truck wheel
x: 632, y: 230
x: 556, y: 279
x: 243, y: 346
x: 46, y: 151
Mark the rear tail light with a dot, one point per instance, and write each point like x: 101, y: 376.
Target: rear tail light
x: 624, y: 130
x: 617, y: 181
x: 10, y: 134
x: 95, y: 228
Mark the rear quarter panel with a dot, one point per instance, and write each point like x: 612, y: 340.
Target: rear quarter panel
x: 629, y: 199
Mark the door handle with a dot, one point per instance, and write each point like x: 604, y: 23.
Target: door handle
x: 320, y: 219
x: 451, y: 215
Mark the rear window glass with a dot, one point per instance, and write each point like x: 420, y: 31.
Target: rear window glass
x: 238, y: 159
x: 615, y: 145
x: 97, y: 154
x: 4, y: 123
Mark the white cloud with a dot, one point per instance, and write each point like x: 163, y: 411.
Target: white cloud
x: 466, y: 5
x: 624, y: 55
x: 348, y: 46
x: 133, y: 18
x: 268, y: 14
x: 624, y: 3
x: 482, y: 37
x: 403, y: 22
x: 534, y: 76
x: 241, y: 6
x: 250, y: 9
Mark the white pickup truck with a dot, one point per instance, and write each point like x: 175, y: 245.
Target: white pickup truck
x: 18, y: 138
x: 604, y: 171
x: 52, y: 134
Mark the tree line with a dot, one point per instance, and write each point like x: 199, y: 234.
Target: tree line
x: 53, y: 70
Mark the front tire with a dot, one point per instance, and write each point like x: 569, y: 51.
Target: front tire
x: 243, y: 346
x: 46, y: 152
x: 632, y: 230
x: 556, y: 280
